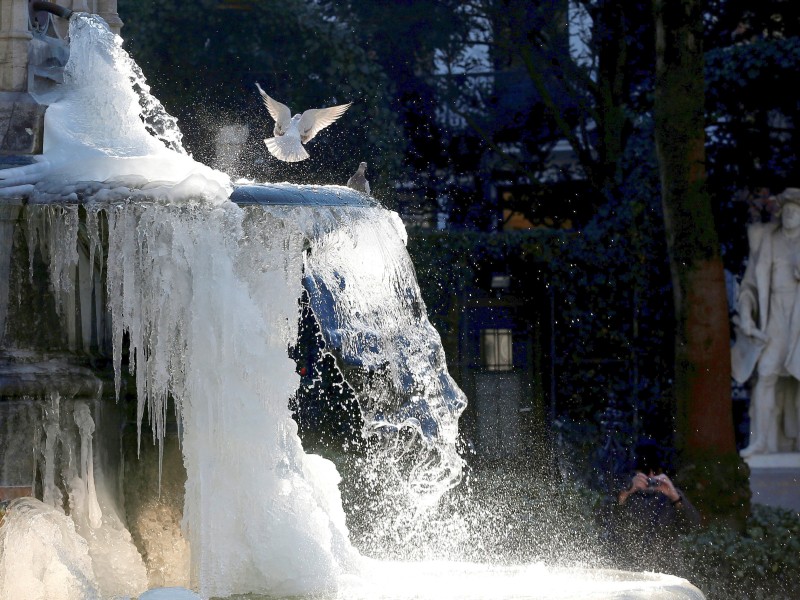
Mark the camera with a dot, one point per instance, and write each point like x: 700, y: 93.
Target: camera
x: 652, y: 482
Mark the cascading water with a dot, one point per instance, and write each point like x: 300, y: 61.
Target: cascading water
x: 362, y: 286
x: 203, y: 295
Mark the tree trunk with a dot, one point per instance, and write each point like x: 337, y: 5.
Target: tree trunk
x: 710, y: 469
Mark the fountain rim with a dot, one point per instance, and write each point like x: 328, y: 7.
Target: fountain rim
x: 291, y: 194
x: 250, y: 194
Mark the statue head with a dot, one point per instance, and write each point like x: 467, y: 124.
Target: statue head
x: 790, y: 217
x: 789, y: 195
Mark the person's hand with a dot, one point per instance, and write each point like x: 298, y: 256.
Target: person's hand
x: 666, y: 487
x: 638, y: 483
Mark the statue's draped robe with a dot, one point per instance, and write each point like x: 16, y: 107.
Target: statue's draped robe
x: 771, y: 285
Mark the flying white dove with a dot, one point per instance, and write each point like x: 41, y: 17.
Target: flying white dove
x: 358, y: 181
x: 291, y: 132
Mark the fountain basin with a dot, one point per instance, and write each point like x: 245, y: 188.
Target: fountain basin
x: 446, y: 580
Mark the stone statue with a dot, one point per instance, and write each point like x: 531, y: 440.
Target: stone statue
x: 767, y: 329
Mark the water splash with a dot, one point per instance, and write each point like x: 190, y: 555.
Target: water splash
x: 363, y: 286
x: 363, y: 290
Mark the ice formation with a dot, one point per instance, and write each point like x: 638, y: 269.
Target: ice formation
x: 208, y: 297
x: 103, y: 125
x: 42, y: 556
x: 85, y: 551
x: 207, y: 294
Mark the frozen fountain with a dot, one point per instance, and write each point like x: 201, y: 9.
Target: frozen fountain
x: 192, y: 283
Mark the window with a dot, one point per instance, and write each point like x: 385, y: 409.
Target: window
x: 496, y: 349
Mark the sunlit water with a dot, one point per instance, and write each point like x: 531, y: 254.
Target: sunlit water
x: 207, y: 294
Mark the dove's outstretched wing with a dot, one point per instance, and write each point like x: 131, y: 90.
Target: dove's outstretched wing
x: 315, y: 120
x: 278, y: 111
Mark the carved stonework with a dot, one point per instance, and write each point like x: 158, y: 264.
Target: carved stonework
x: 14, y: 39
x: 21, y: 124
x: 108, y: 10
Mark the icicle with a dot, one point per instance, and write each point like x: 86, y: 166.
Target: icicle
x: 51, y: 495
x: 61, y: 247
x: 85, y: 423
x: 94, y: 234
x: 32, y: 224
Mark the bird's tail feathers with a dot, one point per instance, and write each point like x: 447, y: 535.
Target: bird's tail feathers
x: 287, y: 149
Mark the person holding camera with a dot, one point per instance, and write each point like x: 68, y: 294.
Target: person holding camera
x: 648, y: 516
x: 652, y: 483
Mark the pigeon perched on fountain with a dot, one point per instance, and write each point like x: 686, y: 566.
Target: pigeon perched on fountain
x: 358, y: 181
x: 291, y: 132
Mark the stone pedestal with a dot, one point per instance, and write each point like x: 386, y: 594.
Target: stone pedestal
x: 775, y: 480
x: 781, y: 460
x: 107, y: 9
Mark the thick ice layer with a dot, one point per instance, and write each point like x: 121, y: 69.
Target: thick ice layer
x: 42, y: 557
x: 445, y: 580
x: 209, y: 298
